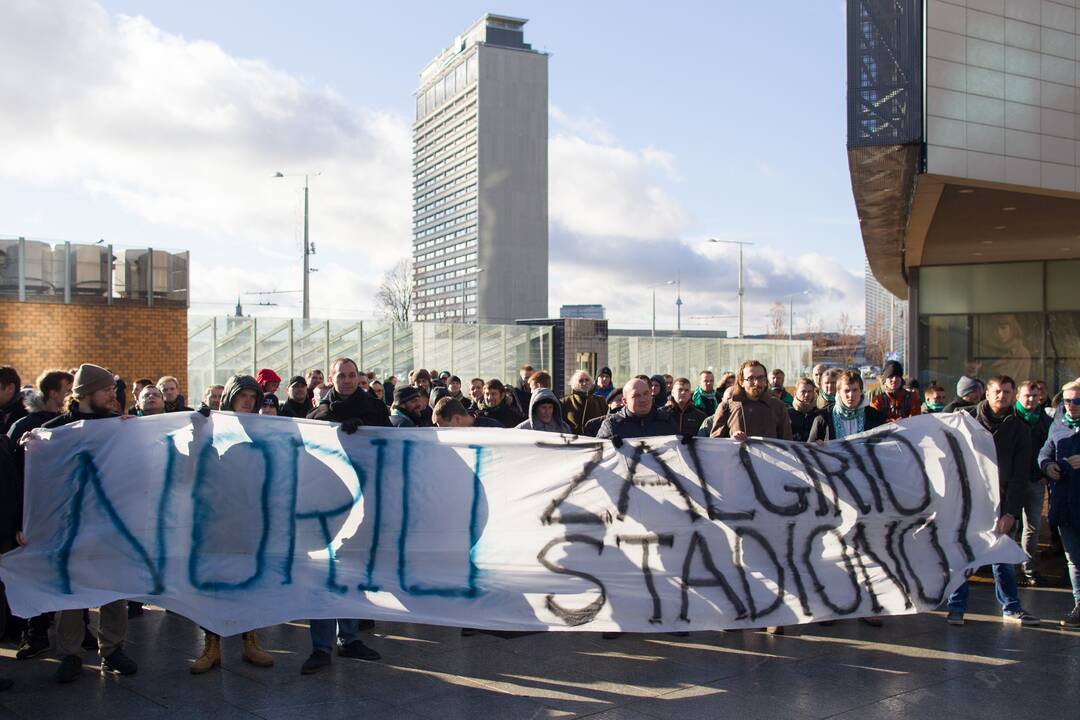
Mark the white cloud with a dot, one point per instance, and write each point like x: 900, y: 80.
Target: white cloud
x: 182, y: 134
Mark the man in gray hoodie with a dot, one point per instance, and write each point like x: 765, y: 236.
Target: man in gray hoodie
x: 545, y: 413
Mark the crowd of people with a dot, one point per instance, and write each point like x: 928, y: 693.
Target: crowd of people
x: 1036, y: 441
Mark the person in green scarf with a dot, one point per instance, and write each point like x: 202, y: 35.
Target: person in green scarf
x: 1029, y: 408
x: 704, y: 398
x: 827, y: 389
x: 935, y: 399
x: 848, y: 415
x: 776, y: 387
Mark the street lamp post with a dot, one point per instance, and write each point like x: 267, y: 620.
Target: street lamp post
x: 464, y: 286
x: 308, y: 249
x: 653, y: 288
x: 791, y: 312
x: 740, y: 243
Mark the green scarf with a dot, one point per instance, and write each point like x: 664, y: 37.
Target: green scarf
x: 1070, y: 422
x: 830, y: 398
x: 935, y: 407
x: 843, y: 414
x: 1030, y: 416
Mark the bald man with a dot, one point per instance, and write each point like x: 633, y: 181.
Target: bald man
x: 637, y: 418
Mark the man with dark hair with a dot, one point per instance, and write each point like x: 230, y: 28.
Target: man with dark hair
x: 752, y: 410
x: 212, y: 396
x: 704, y: 398
x: 137, y: 388
x: 680, y: 409
x: 1012, y: 445
x: 1029, y: 409
x: 580, y: 405
x: 803, y: 410
x: 776, y: 387
x: 346, y: 403
x: 498, y: 406
x: 450, y: 413
x: 933, y: 399
x: 296, y: 398
x: 314, y: 378
x: 523, y: 392
x: 11, y: 400
x: 150, y: 402
x: 637, y: 418
x: 95, y: 393
x: 891, y: 398
x: 476, y: 397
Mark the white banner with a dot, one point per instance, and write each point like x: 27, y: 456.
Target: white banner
x: 240, y: 522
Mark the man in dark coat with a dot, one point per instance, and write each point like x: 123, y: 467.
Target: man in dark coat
x: 346, y: 403
x: 296, y: 399
x: 969, y: 393
x: 11, y: 399
x: 637, y: 418
x: 499, y: 407
x: 1012, y: 445
x: 1029, y: 409
x: 803, y: 410
x: 680, y: 408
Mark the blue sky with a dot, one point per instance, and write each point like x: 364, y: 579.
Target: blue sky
x: 721, y: 119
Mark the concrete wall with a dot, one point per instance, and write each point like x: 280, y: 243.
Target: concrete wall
x: 513, y: 184
x: 1001, y: 91
x: 133, y: 341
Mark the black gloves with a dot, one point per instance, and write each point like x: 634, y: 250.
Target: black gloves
x: 349, y: 426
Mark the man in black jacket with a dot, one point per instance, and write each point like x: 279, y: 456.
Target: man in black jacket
x: 11, y: 399
x: 1029, y: 409
x: 346, y: 403
x: 498, y: 406
x: 1012, y: 443
x: 637, y: 418
x: 680, y: 409
x: 95, y: 394
x: 803, y: 409
x: 296, y: 398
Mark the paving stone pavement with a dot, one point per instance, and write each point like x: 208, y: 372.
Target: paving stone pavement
x: 915, y: 666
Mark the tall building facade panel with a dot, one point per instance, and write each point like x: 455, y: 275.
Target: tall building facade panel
x: 480, y: 178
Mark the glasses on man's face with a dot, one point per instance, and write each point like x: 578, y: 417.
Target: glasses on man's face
x: 1073, y: 401
x: 755, y: 379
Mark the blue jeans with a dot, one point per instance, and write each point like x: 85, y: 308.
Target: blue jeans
x: 323, y: 631
x: 1004, y: 589
x: 1070, y: 540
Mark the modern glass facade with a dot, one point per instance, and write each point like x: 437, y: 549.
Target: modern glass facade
x: 221, y: 346
x: 1019, y: 319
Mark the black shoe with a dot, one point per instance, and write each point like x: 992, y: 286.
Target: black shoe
x: 359, y: 651
x: 362, y: 625
x: 315, y: 663
x: 118, y: 662
x: 1072, y: 620
x: 135, y: 609
x: 70, y: 668
x: 6, y: 683
x: 89, y: 642
x: 32, y: 647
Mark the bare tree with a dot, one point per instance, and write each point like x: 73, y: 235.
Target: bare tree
x: 394, y: 296
x: 877, y: 344
x: 846, y: 341
x: 777, y: 318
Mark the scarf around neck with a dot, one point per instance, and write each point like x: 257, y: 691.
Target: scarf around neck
x: 1029, y: 416
x: 844, y: 416
x: 1070, y: 422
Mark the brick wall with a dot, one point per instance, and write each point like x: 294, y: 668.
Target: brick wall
x: 131, y: 340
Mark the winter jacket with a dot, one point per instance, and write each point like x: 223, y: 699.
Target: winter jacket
x: 686, y: 420
x: 358, y: 406
x: 624, y: 424
x: 522, y: 396
x: 801, y: 422
x: 506, y: 414
x: 294, y: 409
x: 579, y: 408
x: 783, y: 395
x: 957, y: 404
x: 401, y: 419
x: 823, y: 427
x: 603, y: 392
x: 12, y: 412
x: 32, y: 421
x: 704, y: 403
x: 765, y: 417
x: 1058, y: 431
x: 1040, y: 430
x: 660, y: 399
x: 234, y: 385
x: 177, y: 405
x: 1065, y: 493
x: 896, y: 405
x: 593, y: 426
x: 1012, y: 443
x: 11, y: 491
x: 557, y: 423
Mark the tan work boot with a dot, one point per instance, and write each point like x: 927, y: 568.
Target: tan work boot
x: 253, y: 652
x: 211, y: 655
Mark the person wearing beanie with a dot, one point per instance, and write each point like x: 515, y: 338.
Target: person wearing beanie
x: 346, y: 403
x: 296, y: 398
x: 890, y: 398
x: 603, y: 388
x: 94, y: 394
x: 269, y: 381
x: 407, y: 407
x: 969, y: 393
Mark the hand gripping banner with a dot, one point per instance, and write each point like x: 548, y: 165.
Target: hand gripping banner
x: 240, y: 522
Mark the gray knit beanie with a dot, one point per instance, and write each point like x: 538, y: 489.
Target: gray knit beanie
x: 91, y: 378
x: 966, y: 385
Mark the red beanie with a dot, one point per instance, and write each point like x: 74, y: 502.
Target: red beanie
x: 266, y: 375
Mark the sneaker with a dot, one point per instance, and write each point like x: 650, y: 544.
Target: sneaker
x: 955, y: 618
x: 118, y: 662
x: 32, y: 647
x: 316, y: 662
x: 1072, y: 620
x: 358, y: 651
x: 1021, y: 617
x: 70, y: 668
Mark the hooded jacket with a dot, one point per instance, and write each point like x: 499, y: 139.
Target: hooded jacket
x: 234, y: 385
x: 578, y: 408
x: 660, y: 399
x: 505, y: 414
x: 360, y: 406
x: 557, y: 423
x: 1012, y: 443
x: 627, y: 425
x: 1065, y: 492
x: 294, y: 409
